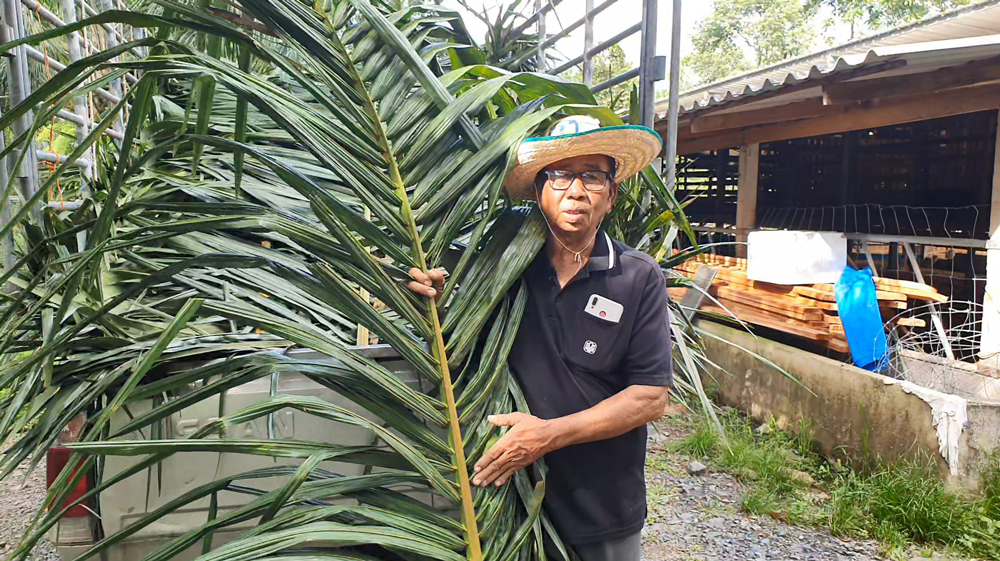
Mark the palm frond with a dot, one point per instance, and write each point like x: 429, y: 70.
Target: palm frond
x: 231, y: 225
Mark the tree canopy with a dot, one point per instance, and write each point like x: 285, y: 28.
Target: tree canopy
x: 741, y: 35
x: 607, y: 65
x: 873, y: 15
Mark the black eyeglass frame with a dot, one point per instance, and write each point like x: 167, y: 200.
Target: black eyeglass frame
x: 573, y: 176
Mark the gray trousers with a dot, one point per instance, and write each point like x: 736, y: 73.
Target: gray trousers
x: 628, y: 548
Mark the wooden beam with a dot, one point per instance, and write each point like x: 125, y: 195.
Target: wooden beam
x: 790, y: 112
x: 989, y: 342
x: 746, y: 196
x: 784, y: 90
x: 856, y: 116
x: 684, y: 133
x: 995, y: 198
x: 970, y: 74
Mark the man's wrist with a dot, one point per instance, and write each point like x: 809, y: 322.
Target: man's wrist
x: 557, y: 434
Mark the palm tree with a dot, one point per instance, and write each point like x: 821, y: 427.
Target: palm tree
x: 283, y: 164
x: 505, y: 45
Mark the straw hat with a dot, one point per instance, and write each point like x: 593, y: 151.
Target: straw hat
x: 633, y: 148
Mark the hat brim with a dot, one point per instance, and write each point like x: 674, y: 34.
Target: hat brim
x: 633, y: 147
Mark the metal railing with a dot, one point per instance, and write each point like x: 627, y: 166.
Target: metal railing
x: 649, y: 71
x: 652, y: 67
x: 78, y: 45
x: 12, y: 28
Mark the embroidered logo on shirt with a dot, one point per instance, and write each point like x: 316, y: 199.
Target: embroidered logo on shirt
x: 590, y: 347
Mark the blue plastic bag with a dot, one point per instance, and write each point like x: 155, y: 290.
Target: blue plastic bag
x: 858, y: 309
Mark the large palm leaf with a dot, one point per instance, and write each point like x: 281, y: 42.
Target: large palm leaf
x: 232, y: 222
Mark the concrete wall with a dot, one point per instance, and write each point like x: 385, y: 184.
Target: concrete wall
x: 949, y: 376
x: 852, y: 411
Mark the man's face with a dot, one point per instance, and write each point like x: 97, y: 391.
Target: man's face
x: 577, y: 209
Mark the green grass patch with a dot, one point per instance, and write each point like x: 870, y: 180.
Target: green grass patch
x: 898, y: 504
x: 703, y: 442
x: 990, y: 474
x: 907, y: 502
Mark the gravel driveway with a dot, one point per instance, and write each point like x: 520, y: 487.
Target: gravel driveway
x: 691, y: 517
x: 698, y: 518
x: 19, y: 500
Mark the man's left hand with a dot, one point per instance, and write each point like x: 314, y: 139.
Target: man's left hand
x: 527, y: 440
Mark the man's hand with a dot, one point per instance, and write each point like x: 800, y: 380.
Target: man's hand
x: 527, y: 440
x: 430, y: 284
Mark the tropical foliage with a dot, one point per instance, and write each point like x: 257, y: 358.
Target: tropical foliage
x: 230, y: 225
x: 507, y: 44
x: 607, y: 65
x: 283, y: 165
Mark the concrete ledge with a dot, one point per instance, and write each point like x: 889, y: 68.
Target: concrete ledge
x: 852, y: 411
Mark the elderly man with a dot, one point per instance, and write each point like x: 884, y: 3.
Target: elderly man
x: 593, y: 351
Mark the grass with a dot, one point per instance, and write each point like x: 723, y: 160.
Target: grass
x: 899, y: 504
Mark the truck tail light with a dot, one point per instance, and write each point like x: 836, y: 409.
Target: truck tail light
x: 76, y: 526
x: 58, y: 458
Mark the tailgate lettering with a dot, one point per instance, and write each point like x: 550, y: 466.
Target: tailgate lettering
x: 284, y: 427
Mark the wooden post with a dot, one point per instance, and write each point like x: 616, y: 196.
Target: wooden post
x: 989, y: 343
x: 647, y: 65
x: 364, y: 336
x: 588, y: 44
x: 542, y: 66
x: 746, y: 197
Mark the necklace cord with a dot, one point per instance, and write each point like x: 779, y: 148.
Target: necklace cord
x: 577, y: 255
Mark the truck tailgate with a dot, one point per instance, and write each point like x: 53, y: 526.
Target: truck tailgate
x: 146, y: 491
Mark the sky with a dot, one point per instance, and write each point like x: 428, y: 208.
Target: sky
x: 615, y: 19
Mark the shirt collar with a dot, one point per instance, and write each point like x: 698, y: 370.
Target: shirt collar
x: 603, y: 257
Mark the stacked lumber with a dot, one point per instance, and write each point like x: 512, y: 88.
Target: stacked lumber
x: 805, y: 311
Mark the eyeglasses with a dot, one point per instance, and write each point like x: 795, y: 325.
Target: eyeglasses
x: 594, y: 181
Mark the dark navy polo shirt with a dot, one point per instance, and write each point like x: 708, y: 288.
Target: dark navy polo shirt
x: 568, y: 360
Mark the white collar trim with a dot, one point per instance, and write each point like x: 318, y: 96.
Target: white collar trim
x: 611, y: 251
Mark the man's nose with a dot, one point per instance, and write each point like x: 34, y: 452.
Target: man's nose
x: 576, y: 189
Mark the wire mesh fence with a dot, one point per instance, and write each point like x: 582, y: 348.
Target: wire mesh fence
x: 921, y: 355
x: 960, y: 223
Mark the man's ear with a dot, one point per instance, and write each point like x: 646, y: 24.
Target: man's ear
x: 613, y: 195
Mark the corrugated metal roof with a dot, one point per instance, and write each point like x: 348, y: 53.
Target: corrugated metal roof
x: 952, y: 38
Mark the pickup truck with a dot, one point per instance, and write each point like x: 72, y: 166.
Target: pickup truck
x: 146, y: 491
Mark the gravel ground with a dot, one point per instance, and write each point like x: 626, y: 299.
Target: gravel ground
x: 19, y: 500
x: 691, y: 518
x: 697, y: 518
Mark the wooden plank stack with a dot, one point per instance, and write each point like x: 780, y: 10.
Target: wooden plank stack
x: 806, y: 311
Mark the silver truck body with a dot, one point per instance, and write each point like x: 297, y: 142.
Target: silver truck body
x: 129, y: 500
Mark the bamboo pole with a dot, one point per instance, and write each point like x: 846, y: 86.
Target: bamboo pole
x: 673, y: 105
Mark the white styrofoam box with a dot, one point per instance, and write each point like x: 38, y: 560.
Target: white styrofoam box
x: 796, y: 257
